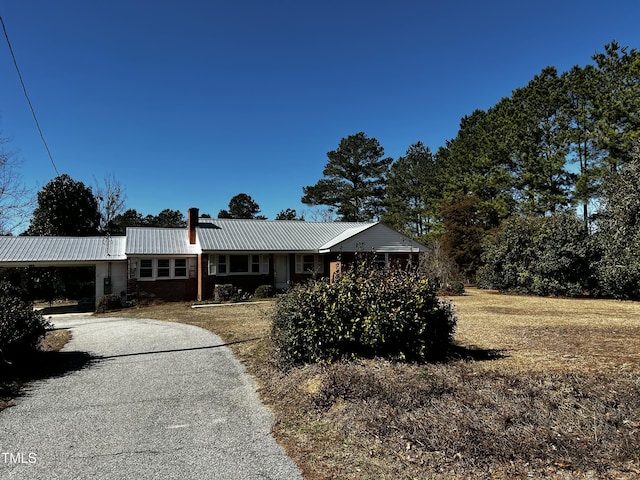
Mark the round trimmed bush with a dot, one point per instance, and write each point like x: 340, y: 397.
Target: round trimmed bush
x: 264, y: 291
x: 366, y: 312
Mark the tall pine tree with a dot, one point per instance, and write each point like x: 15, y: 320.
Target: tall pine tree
x: 413, y: 190
x: 354, y: 181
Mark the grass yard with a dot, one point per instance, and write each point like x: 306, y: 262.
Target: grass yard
x: 542, y: 388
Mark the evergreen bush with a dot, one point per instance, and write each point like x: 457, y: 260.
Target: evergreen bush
x: 264, y: 291
x: 21, y: 327
x: 365, y: 312
x: 538, y: 256
x: 618, y: 236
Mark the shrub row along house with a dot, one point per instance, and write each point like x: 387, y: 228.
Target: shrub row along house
x: 186, y: 263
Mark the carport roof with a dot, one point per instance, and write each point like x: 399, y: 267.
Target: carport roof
x: 56, y: 250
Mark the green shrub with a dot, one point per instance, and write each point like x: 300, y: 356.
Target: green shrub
x: 455, y: 287
x: 21, y: 327
x: 366, y: 312
x: 538, y: 256
x: 618, y: 236
x: 264, y: 291
x: 109, y: 302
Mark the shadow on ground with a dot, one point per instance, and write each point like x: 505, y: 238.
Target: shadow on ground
x: 66, y: 309
x: 27, y: 368
x: 474, y: 354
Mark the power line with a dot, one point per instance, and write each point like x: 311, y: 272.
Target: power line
x: 24, y: 89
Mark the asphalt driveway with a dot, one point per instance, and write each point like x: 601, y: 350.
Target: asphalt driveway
x: 159, y: 400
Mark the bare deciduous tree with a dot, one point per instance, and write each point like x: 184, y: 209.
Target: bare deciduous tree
x: 320, y: 214
x: 16, y: 201
x: 111, y: 200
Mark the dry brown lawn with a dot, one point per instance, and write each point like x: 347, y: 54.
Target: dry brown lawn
x: 552, y: 334
x: 540, y: 388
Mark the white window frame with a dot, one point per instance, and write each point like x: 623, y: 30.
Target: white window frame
x: 216, y: 261
x: 186, y: 267
x: 318, y: 264
x: 145, y: 268
x: 163, y: 264
x: 155, y: 268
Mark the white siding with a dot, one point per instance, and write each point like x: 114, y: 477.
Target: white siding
x: 118, y: 277
x: 378, y: 238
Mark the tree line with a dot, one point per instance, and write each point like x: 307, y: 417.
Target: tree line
x: 554, y: 147
x: 548, y: 158
x: 547, y: 147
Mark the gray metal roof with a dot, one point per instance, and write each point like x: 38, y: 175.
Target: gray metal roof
x: 272, y: 235
x: 213, y: 235
x: 159, y: 241
x: 56, y: 250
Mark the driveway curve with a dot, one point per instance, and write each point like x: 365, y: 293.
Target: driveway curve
x: 160, y: 400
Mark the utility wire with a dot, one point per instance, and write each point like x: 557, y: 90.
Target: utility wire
x: 24, y: 89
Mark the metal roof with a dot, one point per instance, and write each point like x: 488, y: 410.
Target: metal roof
x: 272, y: 235
x: 213, y: 235
x: 52, y: 250
x: 159, y: 241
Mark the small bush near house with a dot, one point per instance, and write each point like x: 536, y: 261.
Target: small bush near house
x: 20, y: 326
x: 366, y: 312
x: 225, y: 293
x: 109, y: 302
x: 264, y: 291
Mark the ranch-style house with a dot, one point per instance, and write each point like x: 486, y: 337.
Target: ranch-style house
x: 186, y: 263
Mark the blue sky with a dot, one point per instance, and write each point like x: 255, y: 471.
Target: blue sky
x: 190, y: 103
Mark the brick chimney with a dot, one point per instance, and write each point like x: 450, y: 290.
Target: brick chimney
x: 192, y: 223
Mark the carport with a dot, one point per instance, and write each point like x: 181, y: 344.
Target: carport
x: 106, y: 254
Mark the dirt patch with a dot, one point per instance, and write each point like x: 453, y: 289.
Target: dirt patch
x: 54, y: 340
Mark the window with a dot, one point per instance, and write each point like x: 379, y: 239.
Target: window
x: 381, y: 260
x: 309, y: 263
x: 253, y: 264
x: 180, y: 267
x: 222, y: 264
x: 214, y: 264
x: 239, y: 263
x: 146, y: 268
x: 164, y: 268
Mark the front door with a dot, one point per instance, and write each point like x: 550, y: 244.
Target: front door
x: 281, y: 271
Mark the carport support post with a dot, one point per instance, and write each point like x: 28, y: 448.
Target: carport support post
x: 102, y: 271
x: 200, y: 268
